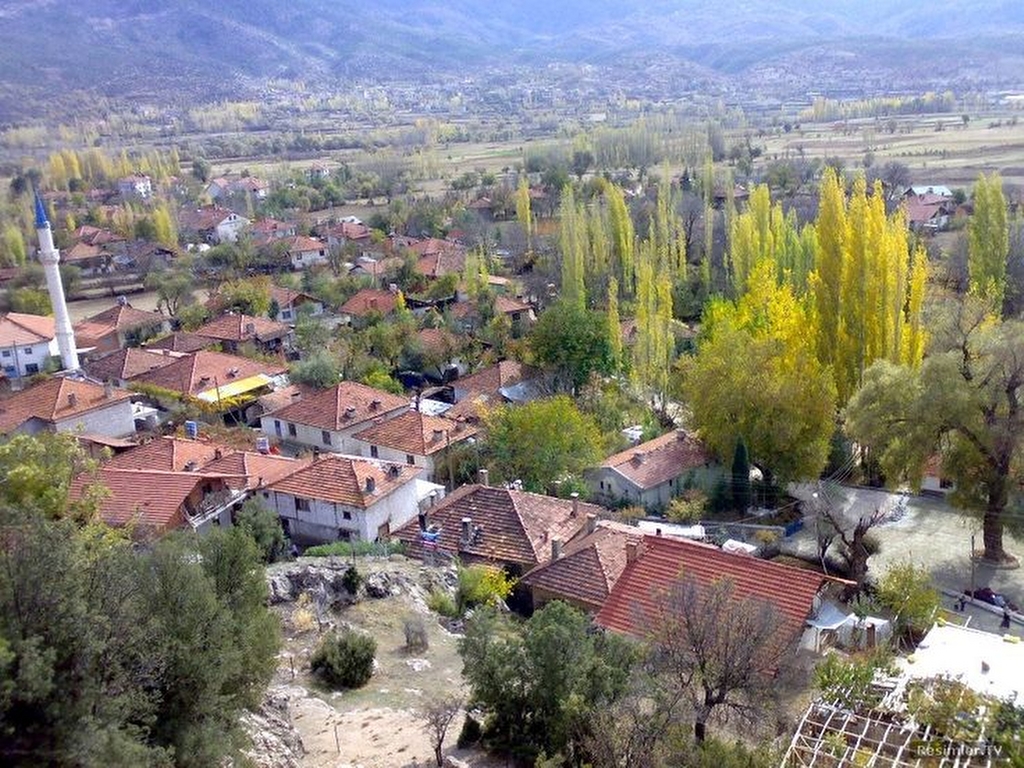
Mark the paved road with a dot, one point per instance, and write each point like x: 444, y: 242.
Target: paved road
x: 932, y: 534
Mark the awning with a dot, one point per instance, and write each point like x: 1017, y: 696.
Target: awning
x: 234, y: 388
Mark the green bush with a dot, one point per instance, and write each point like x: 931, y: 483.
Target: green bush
x: 352, y: 580
x: 482, y: 585
x: 357, y: 548
x: 441, y: 602
x: 344, y: 660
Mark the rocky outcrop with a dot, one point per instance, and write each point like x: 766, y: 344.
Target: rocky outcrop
x: 275, y: 742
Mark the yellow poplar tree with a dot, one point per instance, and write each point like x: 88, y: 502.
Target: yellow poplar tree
x: 524, y: 213
x: 828, y: 275
x: 988, y: 241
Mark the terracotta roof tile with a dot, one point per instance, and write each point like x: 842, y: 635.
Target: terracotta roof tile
x: 662, y: 560
x: 368, y: 301
x: 55, y: 400
x: 203, y: 370
x: 257, y: 468
x: 655, y: 462
x: 236, y: 328
x: 126, y: 364
x: 487, y: 381
x: 330, y: 408
x: 417, y: 434
x: 169, y: 454
x: 515, y: 526
x: 343, y: 480
x: 181, y: 341
x: 117, y: 318
x: 589, y: 567
x: 20, y: 328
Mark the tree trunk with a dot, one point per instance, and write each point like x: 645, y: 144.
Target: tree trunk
x: 439, y: 756
x: 699, y: 729
x: 992, y: 523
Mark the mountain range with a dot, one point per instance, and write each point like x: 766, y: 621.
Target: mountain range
x: 151, y: 47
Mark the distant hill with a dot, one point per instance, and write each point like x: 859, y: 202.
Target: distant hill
x: 152, y: 48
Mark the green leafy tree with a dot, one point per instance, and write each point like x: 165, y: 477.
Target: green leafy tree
x: 542, y: 441
x: 248, y: 297
x: 175, y: 289
x: 906, y: 590
x: 264, y: 527
x: 541, y: 681
x: 38, y: 472
x: 320, y: 370
x: 756, y: 374
x: 963, y: 403
x: 31, y: 301
x: 572, y: 343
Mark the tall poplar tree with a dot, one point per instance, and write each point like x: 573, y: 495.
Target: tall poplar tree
x: 573, y: 240
x: 828, y: 274
x: 988, y: 241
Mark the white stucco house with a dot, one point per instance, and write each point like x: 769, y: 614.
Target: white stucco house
x: 26, y: 343
x: 68, y: 405
x: 348, y: 498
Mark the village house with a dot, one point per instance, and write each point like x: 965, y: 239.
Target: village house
x: 304, y: 252
x: 327, y: 420
x: 156, y: 502
x: 211, y: 224
x: 583, y: 571
x: 436, y: 258
x: 26, y: 343
x: 368, y: 304
x: 169, y: 453
x: 68, y: 405
x: 319, y: 172
x: 92, y: 260
x: 290, y: 302
x: 655, y: 565
x: 137, y: 185
x: 232, y: 331
x: 509, y: 529
x: 521, y: 317
x: 416, y: 440
x: 376, y: 269
x: 120, y: 326
x: 128, y: 364
x: 224, y: 383
x: 347, y: 498
x: 181, y: 341
x: 488, y: 382
x: 345, y: 232
x: 267, y: 231
x: 653, y: 473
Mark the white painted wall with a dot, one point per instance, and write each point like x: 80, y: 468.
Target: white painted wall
x: 341, y: 441
x: 227, y: 231
x: 17, y: 359
x: 116, y: 420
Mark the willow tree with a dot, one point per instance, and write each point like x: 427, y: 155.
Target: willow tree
x: 962, y: 403
x: 988, y: 241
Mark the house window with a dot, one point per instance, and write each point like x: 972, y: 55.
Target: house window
x: 325, y: 436
x: 344, y: 535
x: 31, y: 368
x: 277, y: 427
x: 291, y: 430
x: 410, y: 459
x: 27, y: 350
x: 10, y: 370
x: 346, y: 514
x: 301, y: 505
x: 602, y: 485
x: 373, y: 452
x: 286, y: 314
x: 7, y: 353
x: 266, y: 494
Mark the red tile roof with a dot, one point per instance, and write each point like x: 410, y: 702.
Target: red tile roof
x: 120, y: 317
x: 285, y: 297
x: 369, y: 301
x: 589, y: 567
x: 506, y: 305
x: 206, y: 218
x: 55, y: 400
x: 20, y: 328
x: 181, y: 341
x: 126, y: 364
x: 303, y: 244
x: 204, y: 370
x: 169, y: 454
x: 515, y: 526
x: 661, y: 561
x: 330, y: 408
x: 437, y: 341
x: 236, y: 328
x: 416, y: 434
x: 650, y: 464
x: 343, y: 480
x: 487, y: 381
x: 437, y: 258
x: 258, y: 469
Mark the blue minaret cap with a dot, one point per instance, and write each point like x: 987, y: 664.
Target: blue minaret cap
x: 40, y: 213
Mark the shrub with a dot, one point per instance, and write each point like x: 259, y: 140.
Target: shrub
x: 344, y: 660
x: 441, y: 602
x: 352, y: 580
x: 356, y: 548
x: 415, y: 634
x: 482, y: 585
x: 687, y: 509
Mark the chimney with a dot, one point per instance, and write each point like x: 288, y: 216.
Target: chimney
x: 482, y: 476
x: 250, y: 329
x: 371, y: 485
x: 218, y: 453
x: 296, y: 396
x: 467, y: 529
x: 108, y: 390
x: 591, y: 522
x: 433, y: 498
x: 373, y: 303
x: 424, y: 520
x: 632, y: 550
x: 72, y: 399
x: 374, y: 405
x: 575, y: 504
x: 556, y: 549
x: 438, y: 434
x: 350, y: 412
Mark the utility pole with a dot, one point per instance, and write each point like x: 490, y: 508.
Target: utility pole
x: 972, y: 565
